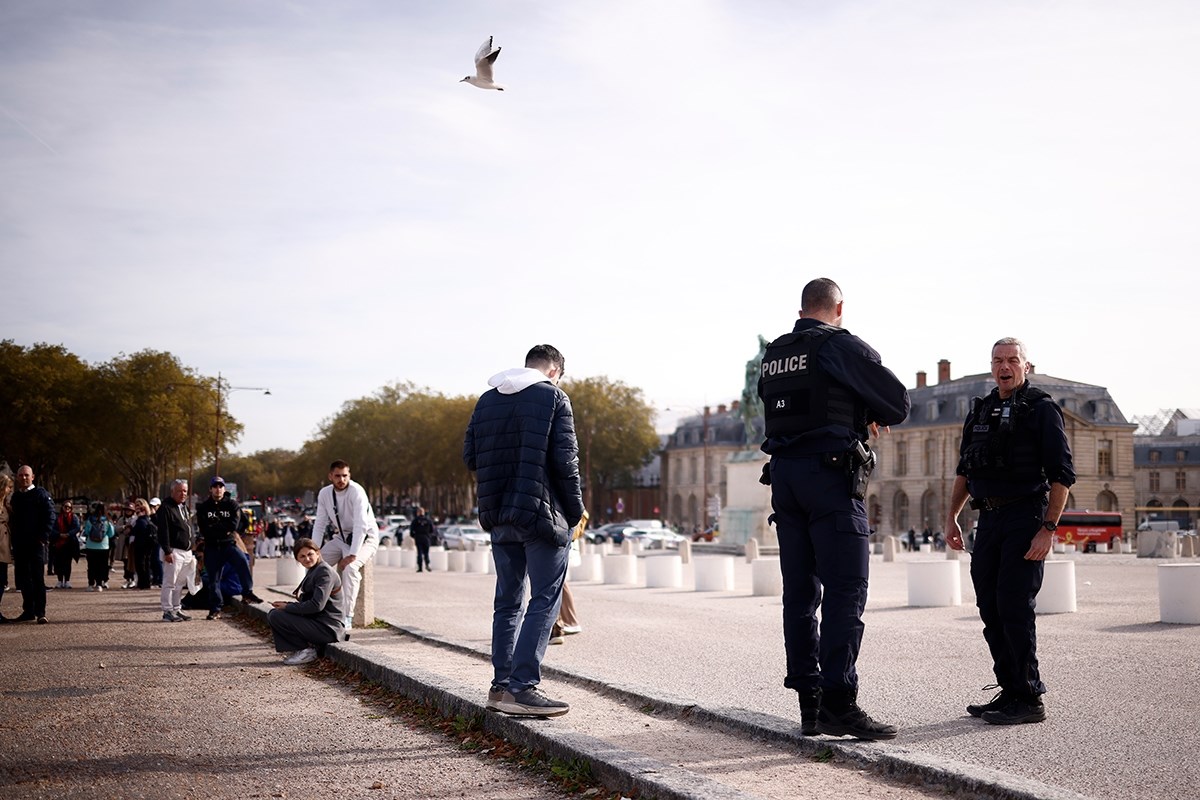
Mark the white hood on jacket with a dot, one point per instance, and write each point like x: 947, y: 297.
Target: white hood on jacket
x: 514, y: 380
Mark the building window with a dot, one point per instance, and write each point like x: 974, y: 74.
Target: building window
x: 1104, y: 457
x: 1180, y: 456
x: 962, y: 408
x: 692, y: 469
x: 900, y: 511
x: 1154, y: 481
x: 930, y: 455
x: 1181, y: 481
x: 932, y: 410
x: 1155, y: 456
x: 901, y: 458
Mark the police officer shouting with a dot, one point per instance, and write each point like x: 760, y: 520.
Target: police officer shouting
x: 1015, y: 463
x: 824, y: 393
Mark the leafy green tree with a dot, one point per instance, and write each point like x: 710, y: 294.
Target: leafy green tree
x: 615, y: 428
x: 158, y: 417
x: 41, y: 393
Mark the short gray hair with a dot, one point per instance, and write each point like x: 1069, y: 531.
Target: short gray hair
x: 178, y: 482
x: 1012, y: 340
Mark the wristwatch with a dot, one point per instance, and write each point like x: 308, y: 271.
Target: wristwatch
x: 1050, y: 526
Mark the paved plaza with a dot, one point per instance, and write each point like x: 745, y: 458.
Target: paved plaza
x: 1122, y: 706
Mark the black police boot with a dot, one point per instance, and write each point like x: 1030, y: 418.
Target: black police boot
x: 810, y: 703
x: 1019, y: 709
x: 999, y: 701
x: 839, y: 715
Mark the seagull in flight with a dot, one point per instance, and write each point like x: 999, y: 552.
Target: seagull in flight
x: 484, y: 58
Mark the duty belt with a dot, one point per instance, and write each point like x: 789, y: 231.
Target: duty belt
x: 993, y: 503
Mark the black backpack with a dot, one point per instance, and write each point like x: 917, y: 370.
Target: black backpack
x: 97, y: 532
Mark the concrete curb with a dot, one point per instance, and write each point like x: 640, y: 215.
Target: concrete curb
x: 623, y: 770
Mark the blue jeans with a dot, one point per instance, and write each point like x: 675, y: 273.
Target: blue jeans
x: 518, y: 644
x: 215, y: 558
x: 824, y: 556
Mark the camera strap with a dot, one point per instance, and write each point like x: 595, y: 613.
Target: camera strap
x: 336, y: 520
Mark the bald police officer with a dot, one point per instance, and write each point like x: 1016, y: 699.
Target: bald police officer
x: 1015, y: 462
x: 824, y: 392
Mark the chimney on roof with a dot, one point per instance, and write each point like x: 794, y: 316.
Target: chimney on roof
x: 1031, y: 367
x: 921, y: 379
x: 943, y: 371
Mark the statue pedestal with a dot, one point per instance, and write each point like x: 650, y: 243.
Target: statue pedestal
x: 748, y: 502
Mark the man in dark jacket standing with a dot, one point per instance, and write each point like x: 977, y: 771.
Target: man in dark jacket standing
x: 825, y: 392
x: 31, y: 524
x: 423, y: 533
x: 521, y: 445
x: 219, y: 519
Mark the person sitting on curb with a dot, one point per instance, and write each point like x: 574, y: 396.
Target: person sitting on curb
x: 314, y: 619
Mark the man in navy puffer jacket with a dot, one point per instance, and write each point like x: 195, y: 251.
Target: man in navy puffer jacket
x: 521, y: 445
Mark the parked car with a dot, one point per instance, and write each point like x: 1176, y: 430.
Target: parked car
x: 655, y: 538
x: 391, y: 534
x: 612, y: 532
x: 464, y: 537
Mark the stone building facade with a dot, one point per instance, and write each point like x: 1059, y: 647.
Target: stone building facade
x: 912, y: 484
x: 693, y: 465
x: 1167, y: 466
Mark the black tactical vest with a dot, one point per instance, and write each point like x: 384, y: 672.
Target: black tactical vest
x: 997, y: 443
x: 798, y: 396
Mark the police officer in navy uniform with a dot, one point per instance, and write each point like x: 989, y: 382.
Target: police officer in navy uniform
x: 824, y: 392
x: 1015, y: 463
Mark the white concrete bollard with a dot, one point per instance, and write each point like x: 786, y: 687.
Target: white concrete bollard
x: 288, y: 572
x: 1101, y: 547
x: 620, y: 569
x: 1057, y: 595
x: 627, y: 547
x: 714, y: 574
x: 1127, y: 547
x: 1068, y: 548
x: 590, y: 568
x: 751, y: 550
x: 456, y: 561
x: 926, y: 548
x: 478, y: 560
x: 765, y: 578
x: 685, y: 551
x: 438, y: 559
x: 664, y: 572
x: 952, y: 554
x: 934, y: 583
x: 1059, y: 547
x: 391, y: 556
x: 1179, y: 593
x: 408, y: 557
x: 889, y: 548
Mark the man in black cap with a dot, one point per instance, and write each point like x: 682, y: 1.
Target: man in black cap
x: 218, y: 518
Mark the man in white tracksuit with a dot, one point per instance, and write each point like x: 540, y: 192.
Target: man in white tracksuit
x: 349, y: 532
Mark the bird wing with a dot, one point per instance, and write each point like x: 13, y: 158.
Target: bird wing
x: 484, y: 58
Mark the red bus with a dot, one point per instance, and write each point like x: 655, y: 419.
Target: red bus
x: 1084, y: 528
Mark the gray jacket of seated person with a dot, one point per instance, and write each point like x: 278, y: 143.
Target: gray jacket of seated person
x: 319, y: 600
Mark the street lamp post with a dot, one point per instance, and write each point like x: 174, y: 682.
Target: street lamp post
x: 217, y: 444
x: 221, y: 388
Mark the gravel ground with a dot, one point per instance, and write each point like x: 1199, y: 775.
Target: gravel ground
x: 109, y: 701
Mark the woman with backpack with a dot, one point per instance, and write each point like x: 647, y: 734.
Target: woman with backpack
x: 98, y: 532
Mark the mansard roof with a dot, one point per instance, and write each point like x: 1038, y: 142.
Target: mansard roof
x: 946, y: 403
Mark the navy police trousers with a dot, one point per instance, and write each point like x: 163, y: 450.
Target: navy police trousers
x: 1006, y: 587
x: 823, y: 545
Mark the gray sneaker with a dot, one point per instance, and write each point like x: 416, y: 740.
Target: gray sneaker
x: 169, y: 617
x: 495, y: 695
x: 531, y: 703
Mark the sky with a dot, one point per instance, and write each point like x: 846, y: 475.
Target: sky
x: 303, y: 196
